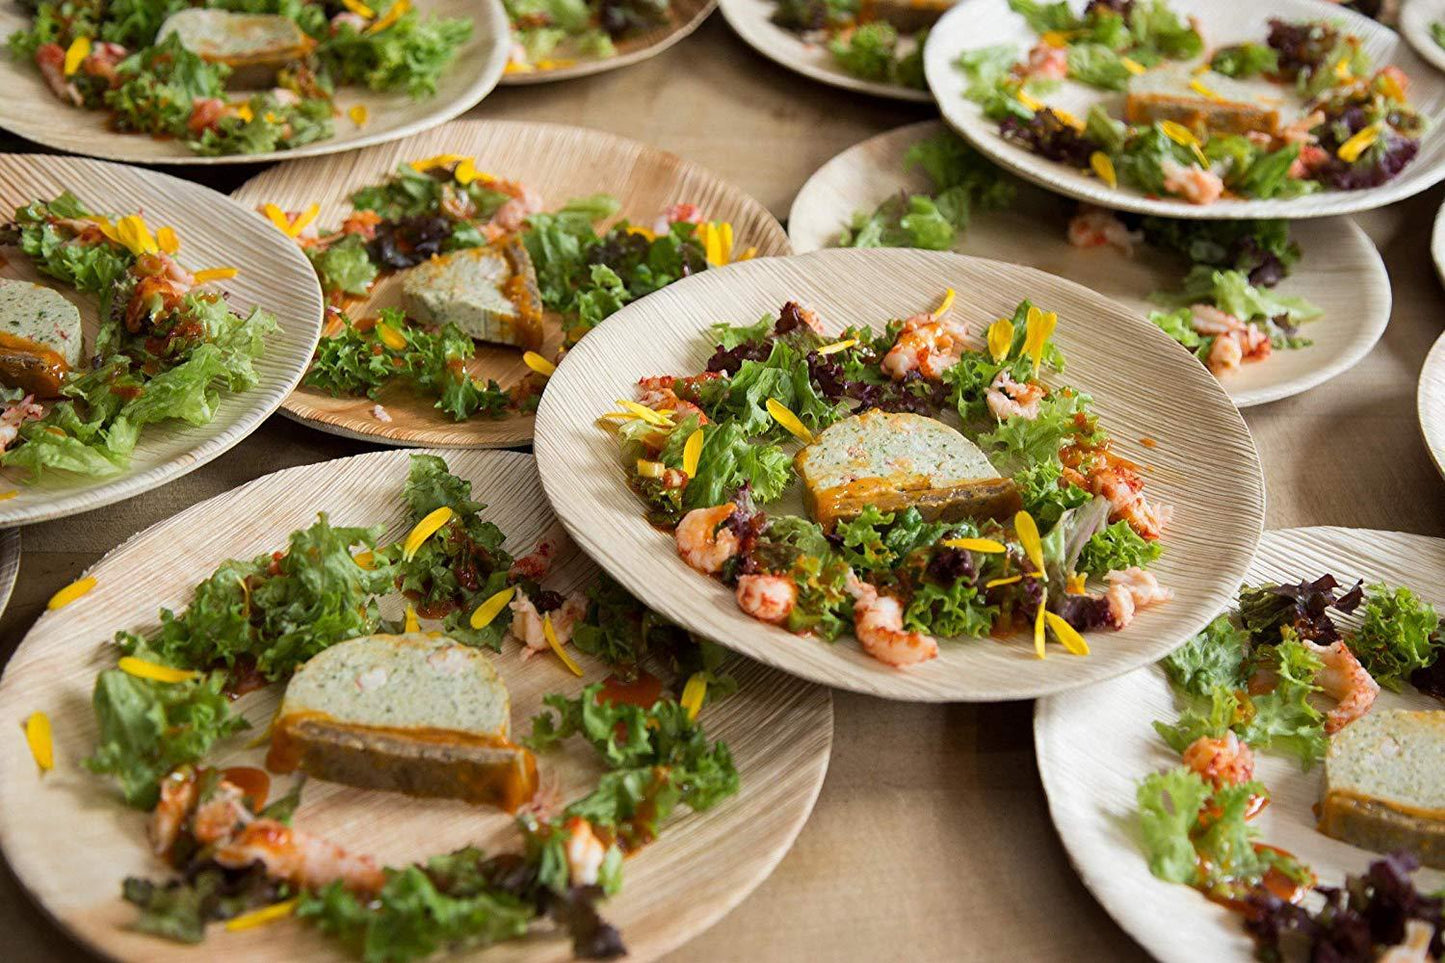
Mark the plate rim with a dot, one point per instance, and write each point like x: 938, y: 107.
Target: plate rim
x: 496, y: 62
x: 942, y: 49
x: 755, y: 34
x: 708, y: 918
x: 1368, y: 335
x: 1415, y: 28
x: 772, y: 226
x: 108, y: 490
x: 589, y: 68
x: 571, y: 516
x: 1431, y: 391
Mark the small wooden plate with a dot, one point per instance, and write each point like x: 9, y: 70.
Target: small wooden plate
x: 214, y: 232
x: 1094, y: 745
x: 559, y: 162
x: 1341, y: 270
x: 984, y: 23
x: 753, y: 21
x: 71, y: 841
x: 1203, y: 460
x: 1430, y: 402
x: 687, y: 16
x: 1415, y: 19
x: 32, y: 110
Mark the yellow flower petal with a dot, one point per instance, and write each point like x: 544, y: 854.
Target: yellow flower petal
x: 837, y: 346
x: 439, y: 160
x: 1389, y: 86
x: 642, y: 232
x: 358, y: 114
x: 262, y: 916
x: 551, y: 636
x: 75, y: 54
x: 783, y: 416
x: 424, y: 530
x: 71, y: 592
x: 390, y: 337
x: 692, y: 453
x: 167, y: 240
x: 245, y: 112
x: 277, y: 217
x: 1204, y: 90
x: 1006, y: 580
x: 1028, y: 532
x: 143, y: 669
x: 1038, y: 329
x: 303, y: 219
x: 135, y: 235
x: 1178, y: 133
x: 1133, y: 66
x: 1029, y: 101
x: 1103, y: 165
x: 650, y: 469
x: 1077, y: 584
x: 1039, y: 627
x: 215, y: 274
x: 1351, y: 149
x: 945, y: 303
x: 1054, y: 38
x: 38, y: 737
x: 492, y: 607
x: 1342, y: 70
x: 1068, y: 118
x: 413, y: 624
x: 646, y: 413
x: 6, y: 496
x: 359, y: 8
x: 693, y: 694
x: 986, y: 546
x: 392, y: 15
x: 366, y: 560
x: 747, y: 255
x: 539, y: 364
x: 1000, y: 339
x: 1066, y: 634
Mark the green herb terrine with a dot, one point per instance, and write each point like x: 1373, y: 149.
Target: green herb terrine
x: 488, y: 292
x: 254, y: 46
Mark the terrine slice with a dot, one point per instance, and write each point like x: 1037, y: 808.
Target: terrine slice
x: 1385, y: 784
x: 489, y: 292
x: 412, y: 713
x: 254, y: 46
x: 40, y: 338
x: 1203, y: 103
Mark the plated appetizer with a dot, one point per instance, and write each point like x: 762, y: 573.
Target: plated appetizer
x: 550, y: 37
x: 222, y: 79
x: 878, y: 42
x: 167, y: 347
x: 412, y: 716
x: 1305, y: 729
x: 912, y: 530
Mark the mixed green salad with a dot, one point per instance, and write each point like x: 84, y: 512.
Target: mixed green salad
x: 1224, y: 309
x: 165, y: 706
x: 551, y: 34
x: 706, y: 454
x: 433, y: 206
x: 168, y: 346
x: 879, y: 42
x: 110, y: 55
x: 1251, y: 682
x: 1196, y: 124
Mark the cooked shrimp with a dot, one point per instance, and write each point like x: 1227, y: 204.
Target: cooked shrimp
x: 299, y: 858
x: 1311, y: 158
x: 1343, y: 678
x: 677, y: 214
x: 1096, y: 227
x: 178, y: 796
x: 534, y: 565
x: 527, y: 621
x: 1130, y: 590
x: 222, y: 814
x: 1225, y: 354
x: 1048, y: 62
x: 702, y: 543
x: 1193, y: 183
x: 1414, y: 948
x: 50, y: 60
x: 510, y: 216
x: 769, y: 598
x: 13, y: 417
x: 1299, y: 132
x: 206, y: 113
x: 348, y: 19
x: 1206, y: 319
x: 660, y: 393
x: 1122, y: 487
x: 585, y: 852
x: 104, y: 56
x: 1008, y: 398
x: 1222, y: 761
x: 878, y: 623
x: 925, y: 344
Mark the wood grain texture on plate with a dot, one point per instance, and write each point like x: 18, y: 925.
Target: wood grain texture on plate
x: 983, y: 23
x: 1340, y: 270
x: 560, y: 163
x: 687, y: 16
x: 9, y: 563
x: 1203, y: 462
x: 1415, y: 19
x: 214, y: 232
x: 31, y: 109
x: 71, y: 841
x: 1094, y: 745
x: 1430, y: 401
x: 753, y: 21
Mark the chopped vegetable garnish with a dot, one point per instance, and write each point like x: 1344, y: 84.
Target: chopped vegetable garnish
x: 144, y: 669
x: 650, y: 469
x: 694, y: 693
x: 492, y: 607
x: 424, y: 530
x: 692, y: 452
x: 71, y: 592
x: 539, y: 364
x: 551, y: 635
x: 785, y: 417
x: 38, y: 737
x: 262, y: 916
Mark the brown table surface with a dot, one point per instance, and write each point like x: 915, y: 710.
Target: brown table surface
x: 931, y: 838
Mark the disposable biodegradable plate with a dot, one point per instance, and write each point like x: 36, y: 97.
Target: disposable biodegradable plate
x: 31, y: 109
x: 687, y: 16
x: 1430, y: 401
x: 9, y: 564
x: 1416, y: 18
x: 752, y: 20
x: 558, y: 162
x: 1161, y: 407
x: 214, y: 232
x: 1340, y: 271
x: 985, y: 23
x: 778, y: 729
x: 1094, y: 745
